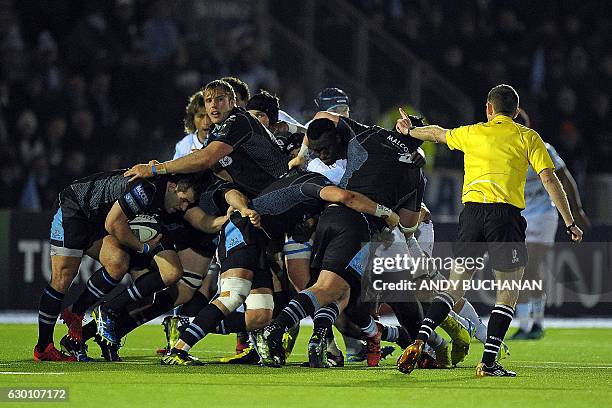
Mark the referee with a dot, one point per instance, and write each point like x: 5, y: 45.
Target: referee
x: 497, y: 156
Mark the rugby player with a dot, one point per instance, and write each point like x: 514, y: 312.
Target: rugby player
x: 283, y: 205
x: 86, y: 211
x: 542, y: 222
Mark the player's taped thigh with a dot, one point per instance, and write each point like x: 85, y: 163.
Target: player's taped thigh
x: 297, y: 250
x: 233, y: 292
x: 508, y: 297
x: 256, y: 301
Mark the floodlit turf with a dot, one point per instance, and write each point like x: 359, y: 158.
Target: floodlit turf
x: 569, y: 367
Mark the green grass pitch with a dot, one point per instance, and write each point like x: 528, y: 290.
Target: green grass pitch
x: 569, y: 367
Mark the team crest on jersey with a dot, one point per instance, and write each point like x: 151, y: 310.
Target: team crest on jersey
x: 226, y: 161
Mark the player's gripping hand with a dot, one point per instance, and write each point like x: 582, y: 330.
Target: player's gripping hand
x: 139, y: 171
x: 392, y: 220
x: 574, y: 232
x: 297, y: 161
x: 404, y: 124
x: 254, y: 217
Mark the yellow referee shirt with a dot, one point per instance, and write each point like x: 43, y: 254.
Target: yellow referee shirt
x: 497, y: 155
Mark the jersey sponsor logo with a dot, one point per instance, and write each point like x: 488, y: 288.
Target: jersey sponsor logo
x: 131, y: 202
x: 142, y: 195
x: 226, y: 161
x: 398, y: 143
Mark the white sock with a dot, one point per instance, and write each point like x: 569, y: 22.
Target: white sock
x: 426, y: 237
x: 523, y: 315
x: 332, y: 347
x: 353, y: 346
x: 435, y: 340
x: 468, y: 312
x: 537, y: 309
x: 415, y: 252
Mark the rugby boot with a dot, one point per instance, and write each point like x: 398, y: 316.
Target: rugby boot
x: 180, y: 357
x: 110, y: 351
x: 74, y: 348
x: 495, y: 371
x: 409, y: 358
x: 246, y: 356
x: 106, y: 324
x: 75, y: 324
x: 460, y: 339
x: 317, y: 347
x: 269, y: 342
x: 50, y: 353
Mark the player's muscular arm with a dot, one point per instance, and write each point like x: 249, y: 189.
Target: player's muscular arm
x: 358, y: 202
x: 203, y: 221
x: 240, y: 202
x: 198, y: 160
x: 573, y: 196
x: 116, y: 224
x: 555, y: 190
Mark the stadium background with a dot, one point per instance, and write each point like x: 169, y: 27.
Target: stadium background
x: 91, y: 86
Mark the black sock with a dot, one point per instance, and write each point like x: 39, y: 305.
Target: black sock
x: 233, y: 323
x: 49, y: 308
x: 499, y: 322
x: 204, y: 323
x: 89, y: 330
x: 163, y: 302
x: 439, y: 309
x: 326, y: 316
x: 98, y: 285
x: 142, y: 287
x: 409, y: 315
x: 303, y: 304
x: 194, y: 305
x: 281, y: 300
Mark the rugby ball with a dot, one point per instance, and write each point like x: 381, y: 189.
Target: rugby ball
x: 145, y: 227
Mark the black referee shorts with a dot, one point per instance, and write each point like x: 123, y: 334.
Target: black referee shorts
x: 498, y: 228
x: 241, y: 245
x: 339, y: 245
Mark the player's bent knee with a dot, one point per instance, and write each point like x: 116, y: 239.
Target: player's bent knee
x: 233, y: 292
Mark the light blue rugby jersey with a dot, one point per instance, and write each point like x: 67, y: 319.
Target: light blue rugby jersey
x: 186, y: 145
x: 537, y: 200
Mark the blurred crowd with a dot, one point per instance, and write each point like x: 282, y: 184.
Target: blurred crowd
x: 557, y: 54
x: 92, y: 86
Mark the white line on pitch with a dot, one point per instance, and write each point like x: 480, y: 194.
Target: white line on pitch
x: 22, y: 373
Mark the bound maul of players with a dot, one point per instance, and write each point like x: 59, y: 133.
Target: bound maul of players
x: 262, y: 226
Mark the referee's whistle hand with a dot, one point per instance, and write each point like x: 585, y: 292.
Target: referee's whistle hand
x: 575, y: 233
x: 139, y: 171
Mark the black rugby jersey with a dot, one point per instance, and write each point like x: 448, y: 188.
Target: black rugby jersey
x: 378, y: 164
x: 288, y: 202
x: 257, y: 159
x: 96, y: 194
